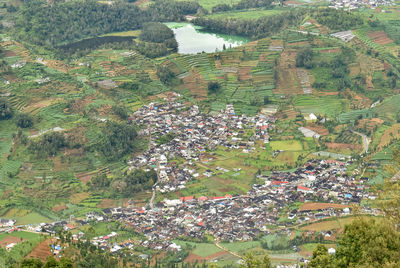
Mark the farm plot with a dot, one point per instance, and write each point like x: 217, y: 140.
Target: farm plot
x: 288, y: 82
x: 287, y: 145
x: 326, y: 105
x: 380, y: 38
x: 389, y: 135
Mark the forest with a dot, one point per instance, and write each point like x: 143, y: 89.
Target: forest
x: 258, y: 28
x: 44, y: 25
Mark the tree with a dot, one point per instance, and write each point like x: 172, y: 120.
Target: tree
x: 249, y: 261
x: 368, y: 243
x: 31, y: 263
x: 24, y: 120
x: 321, y: 258
x: 305, y: 58
x: 6, y: 111
x: 213, y: 86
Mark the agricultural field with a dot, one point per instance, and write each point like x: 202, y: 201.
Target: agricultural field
x: 253, y: 14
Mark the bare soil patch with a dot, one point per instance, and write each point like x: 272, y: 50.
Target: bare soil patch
x: 333, y: 50
x: 389, y: 135
x: 10, y: 239
x: 343, y: 146
x: 84, y: 177
x: 58, y: 208
x: 319, y: 129
x: 288, y: 83
x: 380, y: 38
x: 41, y: 251
x: 107, y: 203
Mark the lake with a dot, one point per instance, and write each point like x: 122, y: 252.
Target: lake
x: 192, y: 39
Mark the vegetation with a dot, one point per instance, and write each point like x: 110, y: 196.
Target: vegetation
x: 116, y: 141
x: 6, y: 111
x: 258, y: 28
x: 363, y: 244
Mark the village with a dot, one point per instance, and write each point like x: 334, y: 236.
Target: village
x: 355, y: 4
x: 188, y: 134
x: 266, y: 208
x: 279, y: 204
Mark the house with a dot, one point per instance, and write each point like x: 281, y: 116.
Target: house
x: 304, y: 189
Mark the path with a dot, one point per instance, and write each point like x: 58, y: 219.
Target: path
x: 365, y: 140
x: 227, y: 250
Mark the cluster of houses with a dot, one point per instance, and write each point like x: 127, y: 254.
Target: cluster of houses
x: 244, y: 217
x: 177, y: 131
x: 355, y: 4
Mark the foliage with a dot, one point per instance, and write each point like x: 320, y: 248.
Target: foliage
x: 337, y: 20
x: 50, y: 263
x: 304, y: 58
x: 116, y: 141
x: 321, y: 258
x: 364, y: 243
x: 249, y: 261
x: 165, y: 74
x: 6, y: 111
x: 44, y: 24
x: 156, y: 32
x: 49, y: 144
x: 121, y: 111
x: 243, y: 4
x: 24, y: 120
x: 213, y: 87
x: 137, y: 181
x: 258, y: 28
x: 165, y: 139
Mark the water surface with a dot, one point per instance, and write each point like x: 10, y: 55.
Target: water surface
x: 192, y: 39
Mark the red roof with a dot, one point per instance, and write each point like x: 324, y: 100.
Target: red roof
x: 202, y: 198
x: 303, y: 188
x: 200, y: 223
x: 279, y: 182
x: 186, y: 198
x: 222, y: 197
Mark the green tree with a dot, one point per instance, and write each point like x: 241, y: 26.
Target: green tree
x: 31, y: 263
x: 249, y: 261
x: 24, y: 120
x: 368, y: 243
x: 321, y: 258
x: 6, y: 111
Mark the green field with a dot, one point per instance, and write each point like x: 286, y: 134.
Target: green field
x: 290, y: 145
x: 209, y: 4
x: 253, y: 14
x: 200, y: 249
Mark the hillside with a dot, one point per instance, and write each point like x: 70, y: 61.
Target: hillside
x: 107, y: 114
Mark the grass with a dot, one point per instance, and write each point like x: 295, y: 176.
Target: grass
x: 209, y: 4
x: 289, y: 145
x: 127, y: 33
x: 200, y: 249
x: 23, y: 235
x: 245, y: 14
x: 31, y: 218
x: 241, y: 247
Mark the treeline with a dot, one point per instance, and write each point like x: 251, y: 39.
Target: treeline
x: 244, y: 4
x: 339, y: 68
x: 157, y: 32
x: 126, y: 184
x: 257, y: 28
x: 337, y: 20
x: 115, y: 141
x: 65, y: 22
x: 93, y: 43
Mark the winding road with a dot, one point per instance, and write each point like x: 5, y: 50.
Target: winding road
x: 366, y: 141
